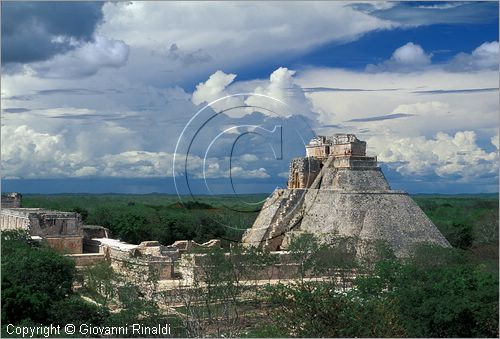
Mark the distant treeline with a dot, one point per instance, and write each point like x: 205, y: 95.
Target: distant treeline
x: 165, y: 218
x: 467, y: 221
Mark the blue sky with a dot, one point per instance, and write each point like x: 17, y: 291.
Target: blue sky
x: 95, y: 96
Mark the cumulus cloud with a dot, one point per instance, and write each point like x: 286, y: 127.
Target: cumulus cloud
x: 212, y: 89
x: 280, y: 96
x: 188, y: 58
x: 416, y: 14
x: 453, y: 156
x: 282, y: 87
x: 85, y: 60
x: 411, y: 54
x: 215, y: 91
x: 456, y: 107
x: 37, y: 31
x: 26, y: 152
x: 483, y: 57
x: 494, y: 141
x: 105, y: 152
x: 412, y: 57
x: 409, y: 57
x: 120, y: 134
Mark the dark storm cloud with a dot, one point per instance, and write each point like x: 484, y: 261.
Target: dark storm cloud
x: 29, y: 28
x: 382, y: 117
x: 458, y: 91
x: 188, y: 58
x: 77, y: 91
x: 16, y: 110
x: 429, y: 13
x: 335, y: 89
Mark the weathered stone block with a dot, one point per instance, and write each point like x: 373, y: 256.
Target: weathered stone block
x: 65, y: 244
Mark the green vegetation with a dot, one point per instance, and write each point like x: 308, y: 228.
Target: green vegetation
x: 435, y: 293
x: 136, y: 218
x: 37, y: 285
x: 469, y: 222
x: 38, y: 289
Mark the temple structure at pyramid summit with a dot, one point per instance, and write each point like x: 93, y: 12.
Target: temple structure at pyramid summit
x: 337, y: 192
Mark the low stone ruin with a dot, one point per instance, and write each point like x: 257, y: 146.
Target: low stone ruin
x: 188, y: 245
x: 91, y: 244
x: 60, y: 230
x: 11, y: 200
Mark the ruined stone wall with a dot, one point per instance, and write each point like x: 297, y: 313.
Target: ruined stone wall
x: 355, y: 179
x: 90, y: 232
x: 352, y: 148
x: 11, y: 219
x: 11, y: 200
x: 255, y: 235
x: 66, y: 244
x: 195, y: 266
x: 41, y: 222
x: 46, y: 222
x: 87, y: 259
x: 354, y: 161
x: 303, y: 171
x: 130, y: 259
x: 95, y: 231
x: 319, y: 151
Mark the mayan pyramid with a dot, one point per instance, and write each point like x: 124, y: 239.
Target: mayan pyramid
x: 336, y: 191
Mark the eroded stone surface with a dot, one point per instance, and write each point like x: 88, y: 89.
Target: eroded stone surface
x: 348, y: 198
x: 11, y: 200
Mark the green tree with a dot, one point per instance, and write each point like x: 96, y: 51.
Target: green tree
x: 438, y: 293
x: 33, y: 278
x: 37, y: 286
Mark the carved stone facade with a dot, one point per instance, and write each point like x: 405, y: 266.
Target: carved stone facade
x: 303, y: 171
x: 60, y: 230
x: 349, y: 197
x: 343, y: 150
x: 11, y: 200
x: 91, y: 244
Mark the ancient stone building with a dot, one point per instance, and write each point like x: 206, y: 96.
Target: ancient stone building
x: 61, y: 230
x: 91, y: 244
x: 337, y: 191
x: 11, y: 200
x: 303, y: 171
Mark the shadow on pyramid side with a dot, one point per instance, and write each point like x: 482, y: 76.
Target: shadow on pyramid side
x: 338, y: 192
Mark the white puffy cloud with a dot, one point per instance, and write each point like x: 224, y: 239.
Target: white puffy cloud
x: 130, y: 129
x: 259, y: 173
x: 412, y: 57
x: 411, y: 54
x: 227, y: 36
x: 427, y: 102
x: 249, y: 157
x: 85, y: 60
x: 483, y: 57
x: 27, y: 153
x: 215, y: 88
x: 280, y: 95
x: 494, y: 141
x: 408, y: 57
x: 288, y: 97
x: 454, y: 156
